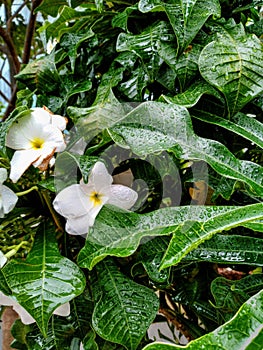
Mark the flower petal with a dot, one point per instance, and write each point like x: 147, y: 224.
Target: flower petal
x: 59, y: 121
x: 78, y: 225
x: 9, y: 199
x: 5, y: 300
x: 36, y: 124
x: 94, y: 211
x: 99, y: 177
x: 41, y: 115
x: 9, y: 301
x: 21, y: 160
x: 26, y: 318
x: 63, y: 310
x: 122, y: 196
x: 3, y: 260
x: 3, y: 175
x: 72, y: 202
x: 26, y: 129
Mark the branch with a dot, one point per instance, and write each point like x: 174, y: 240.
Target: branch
x: 9, y: 22
x: 4, y: 97
x: 11, y: 48
x: 30, y: 31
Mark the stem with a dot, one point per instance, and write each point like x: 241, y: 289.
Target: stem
x: 15, y: 249
x: 11, y: 48
x: 52, y: 211
x: 30, y: 31
x: 27, y: 191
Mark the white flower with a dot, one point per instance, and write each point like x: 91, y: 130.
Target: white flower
x: 3, y: 259
x: 35, y: 137
x: 50, y: 45
x: 26, y: 318
x: 8, y: 198
x: 81, y: 203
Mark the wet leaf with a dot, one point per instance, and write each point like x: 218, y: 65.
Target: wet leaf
x: 231, y: 64
x: 192, y: 95
x: 186, y: 17
x: 190, y: 226
x: 229, y: 249
x: 124, y: 309
x: 45, y: 280
x: 154, y: 126
x: 230, y: 295
x: 241, y: 124
x: 244, y: 330
x: 147, y: 46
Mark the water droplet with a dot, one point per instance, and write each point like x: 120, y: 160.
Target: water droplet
x: 213, y: 69
x: 226, y: 76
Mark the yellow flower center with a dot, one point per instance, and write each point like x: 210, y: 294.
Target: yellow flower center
x: 95, y: 197
x: 37, y: 143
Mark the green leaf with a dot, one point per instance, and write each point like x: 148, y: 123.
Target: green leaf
x: 185, y: 239
x: 40, y: 74
x: 191, y: 226
x: 241, y: 124
x: 230, y: 295
x: 243, y: 331
x: 59, y: 332
x: 49, y: 7
x: 231, y: 63
x: 154, y: 126
x: 45, y: 280
x: 186, y: 66
x: 4, y: 288
x: 255, y: 226
x: 147, y: 46
x: 70, y: 43
x: 67, y: 14
x: 125, y: 309
x: 186, y: 17
x: 150, y: 256
x: 67, y: 166
x: 233, y: 249
x: 121, y: 18
x: 192, y: 95
x: 91, y: 121
x: 89, y: 342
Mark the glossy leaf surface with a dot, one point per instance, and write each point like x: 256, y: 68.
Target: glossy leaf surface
x: 124, y: 310
x: 235, y: 249
x: 241, y: 124
x: 190, y: 227
x: 231, y: 64
x: 244, y: 330
x: 186, y: 17
x: 45, y: 280
x: 230, y: 295
x: 153, y: 127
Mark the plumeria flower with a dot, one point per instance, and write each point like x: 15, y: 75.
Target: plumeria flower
x: 35, y: 137
x: 50, y: 45
x: 8, y: 198
x: 81, y: 203
x: 26, y: 318
x: 3, y: 259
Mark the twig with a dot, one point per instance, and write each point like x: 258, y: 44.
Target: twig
x: 171, y: 316
x: 30, y: 31
x: 11, y: 48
